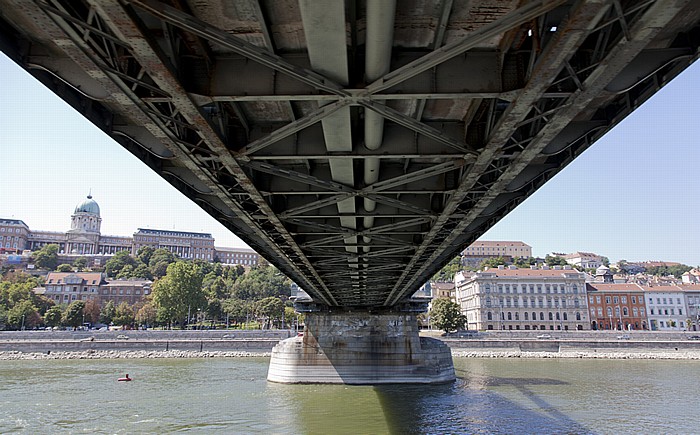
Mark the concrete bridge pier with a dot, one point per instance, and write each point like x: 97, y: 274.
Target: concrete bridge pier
x: 361, y: 348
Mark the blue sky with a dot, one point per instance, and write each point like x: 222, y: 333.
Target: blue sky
x: 633, y: 195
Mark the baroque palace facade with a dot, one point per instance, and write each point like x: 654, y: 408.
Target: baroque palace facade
x: 85, y: 239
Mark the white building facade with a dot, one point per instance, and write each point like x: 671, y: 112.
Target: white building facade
x: 666, y: 308
x: 508, y: 298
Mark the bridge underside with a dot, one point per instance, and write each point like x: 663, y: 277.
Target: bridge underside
x: 357, y: 145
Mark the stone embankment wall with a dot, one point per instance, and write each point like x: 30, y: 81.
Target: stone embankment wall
x: 198, y: 341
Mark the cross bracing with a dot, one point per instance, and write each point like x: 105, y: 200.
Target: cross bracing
x: 357, y: 145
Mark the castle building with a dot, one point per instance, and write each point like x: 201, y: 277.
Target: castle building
x: 85, y: 239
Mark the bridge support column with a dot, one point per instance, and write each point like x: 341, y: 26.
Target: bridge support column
x: 361, y: 348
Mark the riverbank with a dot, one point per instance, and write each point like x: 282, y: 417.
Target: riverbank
x: 581, y: 354
x: 127, y: 354
x: 457, y: 353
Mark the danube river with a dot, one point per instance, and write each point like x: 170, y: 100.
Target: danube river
x: 231, y: 395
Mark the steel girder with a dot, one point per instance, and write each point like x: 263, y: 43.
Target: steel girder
x: 227, y: 108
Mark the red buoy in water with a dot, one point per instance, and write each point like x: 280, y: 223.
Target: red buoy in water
x: 125, y: 378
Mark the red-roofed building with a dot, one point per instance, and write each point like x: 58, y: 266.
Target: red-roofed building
x: 523, y: 299
x: 616, y: 306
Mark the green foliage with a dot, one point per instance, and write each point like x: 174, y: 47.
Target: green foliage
x: 555, y: 260
x: 53, y: 316
x: 179, y: 292
x: 64, y: 268
x: 447, y: 273
x: 46, y: 257
x: 493, y: 262
x: 146, y: 315
x: 107, y: 313
x: 446, y: 315
x: 260, y: 283
x: 237, y: 310
x: 524, y: 262
x: 676, y: 271
x: 118, y: 262
x: 74, y: 314
x: 80, y: 263
x: 124, y: 315
x: 24, y: 314
x: 159, y: 262
x: 144, y: 254
x: 269, y: 310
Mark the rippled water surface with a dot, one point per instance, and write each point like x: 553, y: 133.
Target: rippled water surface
x: 232, y: 396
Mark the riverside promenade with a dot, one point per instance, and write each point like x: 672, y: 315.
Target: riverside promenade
x: 239, y: 343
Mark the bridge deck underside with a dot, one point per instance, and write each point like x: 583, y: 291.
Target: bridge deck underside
x: 357, y: 145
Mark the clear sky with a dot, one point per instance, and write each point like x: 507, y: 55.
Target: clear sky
x: 634, y: 195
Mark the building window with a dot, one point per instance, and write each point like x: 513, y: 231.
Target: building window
x: 616, y: 300
x: 578, y: 316
x: 625, y: 311
x: 607, y: 299
x: 525, y: 315
x: 550, y: 316
x: 634, y: 299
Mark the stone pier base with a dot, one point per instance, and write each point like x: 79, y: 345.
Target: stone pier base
x: 361, y: 348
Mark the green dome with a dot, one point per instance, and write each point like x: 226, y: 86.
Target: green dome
x: 88, y: 206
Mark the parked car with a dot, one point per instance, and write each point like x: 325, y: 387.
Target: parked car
x: 544, y: 336
x: 623, y: 337
x: 123, y: 337
x: 694, y: 337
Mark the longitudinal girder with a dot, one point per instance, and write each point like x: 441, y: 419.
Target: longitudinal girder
x: 357, y: 145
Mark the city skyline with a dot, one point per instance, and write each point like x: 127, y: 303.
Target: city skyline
x: 633, y: 195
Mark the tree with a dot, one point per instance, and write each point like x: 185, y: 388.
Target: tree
x: 80, y: 263
x: 524, y: 262
x: 120, y: 260
x: 64, y: 268
x: 446, y: 315
x: 147, y: 315
x: 159, y: 262
x: 555, y: 260
x: 107, y: 313
x: 493, y: 262
x: 179, y: 292
x: 74, y: 314
x: 448, y: 271
x: 236, y: 309
x: 270, y: 309
x: 46, y: 257
x: 144, y: 254
x: 53, y: 316
x: 92, y: 311
x: 23, y: 315
x: 124, y: 315
x: 142, y: 271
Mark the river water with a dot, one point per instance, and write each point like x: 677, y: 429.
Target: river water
x: 231, y: 395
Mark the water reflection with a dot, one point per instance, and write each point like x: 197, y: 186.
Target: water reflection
x: 231, y: 396
x: 470, y: 405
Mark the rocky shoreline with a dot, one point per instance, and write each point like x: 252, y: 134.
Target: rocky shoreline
x: 127, y: 354
x: 141, y: 354
x: 588, y: 354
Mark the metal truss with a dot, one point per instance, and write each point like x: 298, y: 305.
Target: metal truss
x: 240, y: 122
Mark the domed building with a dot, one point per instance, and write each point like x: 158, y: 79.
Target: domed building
x: 84, y: 234
x: 85, y: 239
x: 604, y: 275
